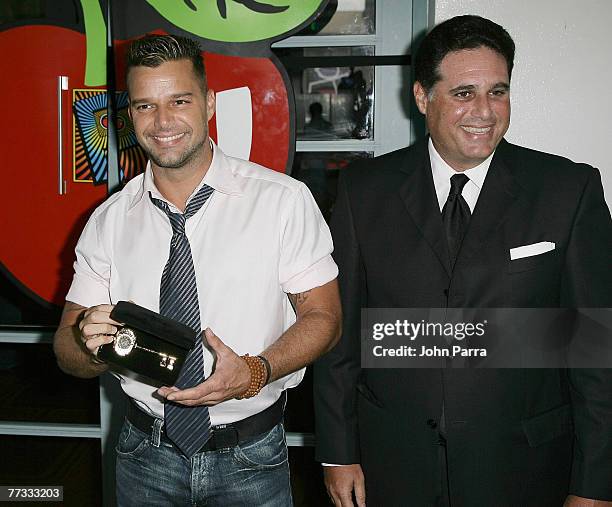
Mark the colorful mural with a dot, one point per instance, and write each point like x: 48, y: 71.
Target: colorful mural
x: 57, y: 98
x: 238, y: 20
x: 90, y: 137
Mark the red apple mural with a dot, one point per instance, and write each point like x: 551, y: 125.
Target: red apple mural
x: 55, y: 157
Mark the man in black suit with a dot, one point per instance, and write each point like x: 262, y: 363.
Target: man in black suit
x: 466, y: 219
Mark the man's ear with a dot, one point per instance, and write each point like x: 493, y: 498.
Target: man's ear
x: 211, y: 104
x: 420, y: 97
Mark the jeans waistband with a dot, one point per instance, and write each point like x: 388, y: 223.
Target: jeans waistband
x: 223, y: 435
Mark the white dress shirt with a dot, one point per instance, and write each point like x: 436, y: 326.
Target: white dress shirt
x: 258, y: 237
x: 442, y: 173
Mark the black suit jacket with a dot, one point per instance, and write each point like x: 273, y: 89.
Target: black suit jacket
x: 515, y: 436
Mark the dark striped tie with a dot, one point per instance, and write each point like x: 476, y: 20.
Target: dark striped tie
x: 188, y: 427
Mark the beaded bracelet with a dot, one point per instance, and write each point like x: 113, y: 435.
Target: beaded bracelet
x: 258, y: 376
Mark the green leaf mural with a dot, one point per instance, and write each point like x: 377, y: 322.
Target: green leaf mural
x: 95, y: 28
x: 236, y: 20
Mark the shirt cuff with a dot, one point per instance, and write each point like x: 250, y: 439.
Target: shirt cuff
x: 321, y: 272
x: 87, y: 292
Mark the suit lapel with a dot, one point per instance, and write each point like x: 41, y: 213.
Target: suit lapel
x: 419, y: 196
x: 499, y: 191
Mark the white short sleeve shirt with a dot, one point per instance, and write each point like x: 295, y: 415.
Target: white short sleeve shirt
x: 258, y: 237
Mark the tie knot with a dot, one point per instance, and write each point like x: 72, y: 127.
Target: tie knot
x: 177, y: 220
x: 457, y: 181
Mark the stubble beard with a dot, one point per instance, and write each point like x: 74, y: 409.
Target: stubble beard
x: 175, y: 161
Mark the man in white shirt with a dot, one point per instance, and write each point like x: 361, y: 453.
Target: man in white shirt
x: 264, y: 284
x: 435, y: 225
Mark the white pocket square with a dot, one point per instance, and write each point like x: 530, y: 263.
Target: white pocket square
x: 530, y: 250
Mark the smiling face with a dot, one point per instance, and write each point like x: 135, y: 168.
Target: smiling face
x: 170, y: 111
x: 468, y: 109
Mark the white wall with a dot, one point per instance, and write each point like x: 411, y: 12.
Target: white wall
x: 562, y: 80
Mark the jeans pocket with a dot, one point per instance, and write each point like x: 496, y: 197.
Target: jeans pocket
x: 132, y: 442
x: 264, y: 452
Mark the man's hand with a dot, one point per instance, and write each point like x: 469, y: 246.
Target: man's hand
x: 341, y: 481
x: 230, y: 379
x: 578, y: 501
x: 97, y: 328
x: 81, y: 331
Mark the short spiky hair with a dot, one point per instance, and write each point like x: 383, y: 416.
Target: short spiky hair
x: 153, y: 50
x: 456, y: 34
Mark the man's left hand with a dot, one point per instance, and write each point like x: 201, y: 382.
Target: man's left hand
x: 230, y: 379
x: 578, y: 501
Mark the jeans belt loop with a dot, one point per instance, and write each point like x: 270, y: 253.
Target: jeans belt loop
x: 156, y: 432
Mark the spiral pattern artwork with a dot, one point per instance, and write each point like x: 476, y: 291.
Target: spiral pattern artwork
x: 91, y: 138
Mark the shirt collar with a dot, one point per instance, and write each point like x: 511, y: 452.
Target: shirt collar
x: 220, y: 176
x: 442, y: 173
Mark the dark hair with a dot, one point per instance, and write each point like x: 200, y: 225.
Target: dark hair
x: 153, y: 50
x: 455, y: 34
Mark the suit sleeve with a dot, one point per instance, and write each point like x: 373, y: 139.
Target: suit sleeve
x: 587, y: 283
x: 336, y: 373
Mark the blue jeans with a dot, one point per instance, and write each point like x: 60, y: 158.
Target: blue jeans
x: 154, y: 473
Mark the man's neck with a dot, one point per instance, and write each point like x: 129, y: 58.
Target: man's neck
x: 177, y: 184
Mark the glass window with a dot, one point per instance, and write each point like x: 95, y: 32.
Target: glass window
x: 34, y: 389
x: 74, y: 463
x: 320, y: 170
x: 344, y: 17
x: 333, y: 100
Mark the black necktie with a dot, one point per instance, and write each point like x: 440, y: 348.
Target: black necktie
x: 188, y: 427
x: 456, y: 216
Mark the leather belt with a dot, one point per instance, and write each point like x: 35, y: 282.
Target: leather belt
x: 223, y: 435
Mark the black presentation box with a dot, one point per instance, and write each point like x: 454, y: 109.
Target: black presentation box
x: 148, y: 343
